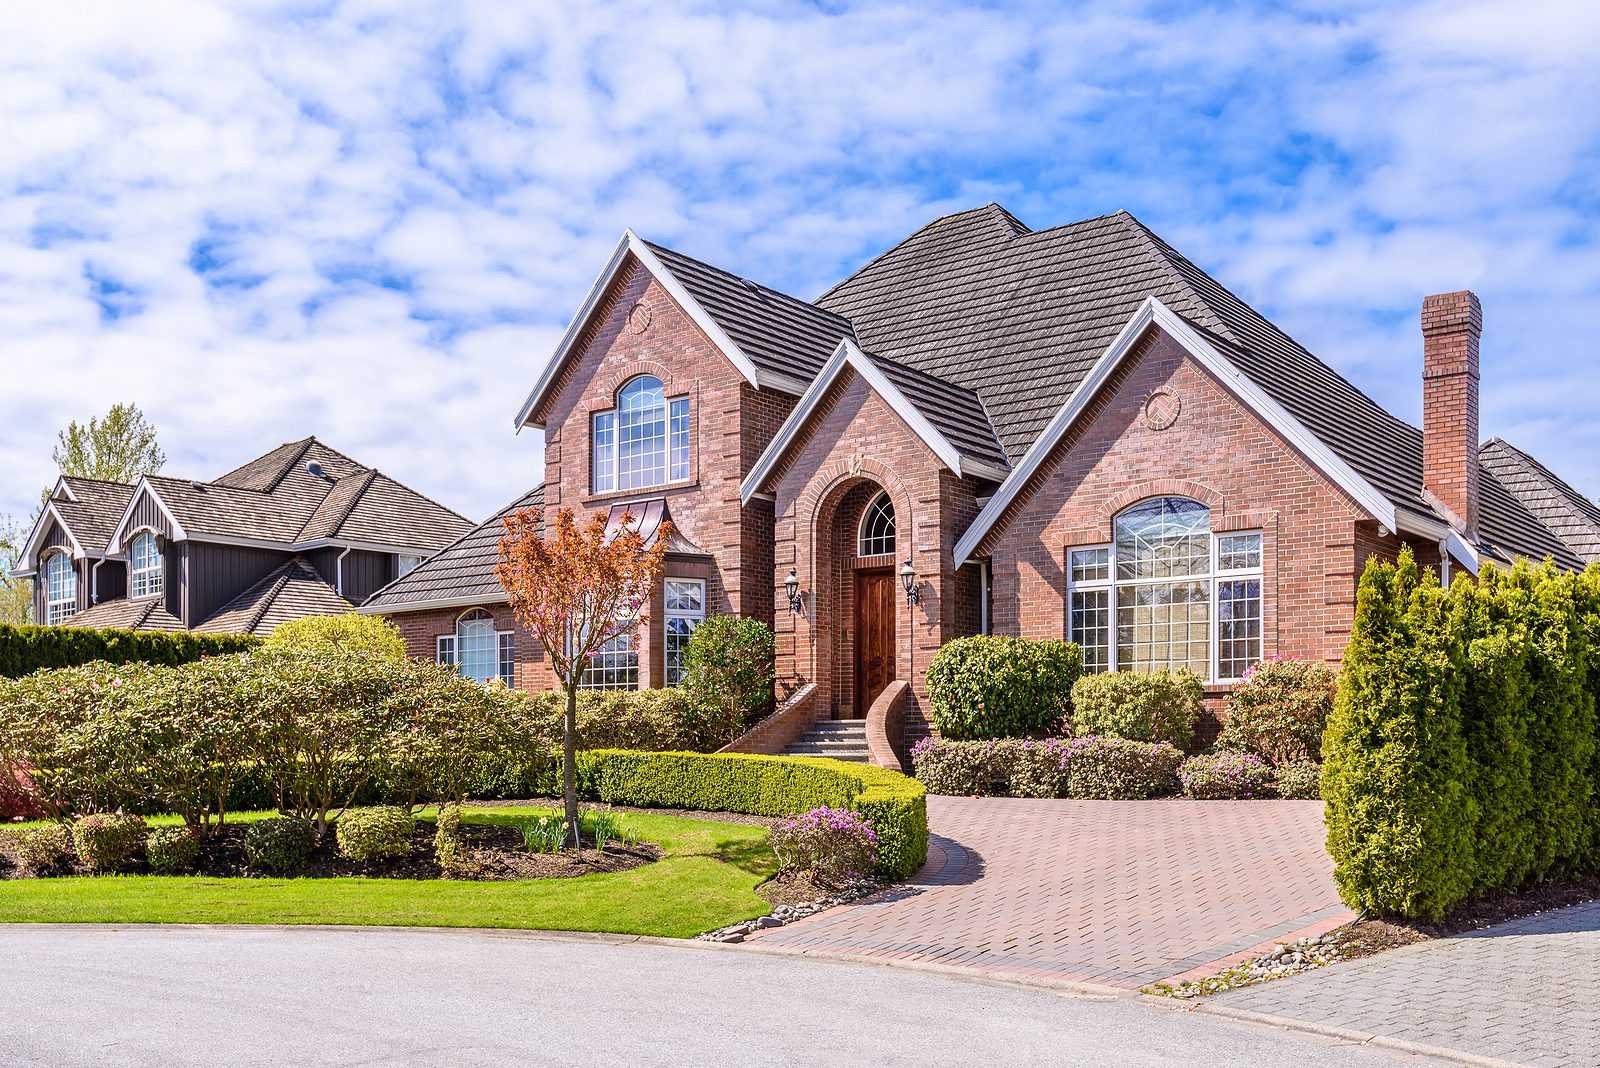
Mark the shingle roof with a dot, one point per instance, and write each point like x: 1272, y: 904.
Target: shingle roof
x: 291, y: 591
x: 463, y: 569
x: 955, y: 412
x: 274, y: 498
x: 779, y: 333
x: 1571, y: 516
x: 93, y: 515
x: 127, y: 615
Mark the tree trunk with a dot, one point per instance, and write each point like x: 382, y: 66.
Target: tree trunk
x: 569, y: 764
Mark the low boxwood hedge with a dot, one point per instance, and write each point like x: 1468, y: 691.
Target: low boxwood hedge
x: 24, y: 650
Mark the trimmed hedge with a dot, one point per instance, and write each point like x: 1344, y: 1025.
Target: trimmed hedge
x: 1158, y: 707
x: 24, y: 650
x: 895, y: 805
x: 1462, y: 754
x: 1086, y: 768
x: 989, y: 686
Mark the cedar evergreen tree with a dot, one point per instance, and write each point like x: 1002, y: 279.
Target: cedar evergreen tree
x: 575, y: 590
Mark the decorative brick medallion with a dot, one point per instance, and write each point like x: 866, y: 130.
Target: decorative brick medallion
x: 1161, y: 409
x: 639, y: 317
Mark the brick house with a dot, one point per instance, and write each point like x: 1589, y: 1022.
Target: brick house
x: 301, y: 530
x: 1072, y: 432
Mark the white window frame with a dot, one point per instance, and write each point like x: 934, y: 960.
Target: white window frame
x: 447, y: 650
x: 1214, y: 578
x: 672, y: 674
x: 861, y: 525
x: 58, y: 610
x: 605, y: 475
x: 405, y: 563
x: 150, y: 580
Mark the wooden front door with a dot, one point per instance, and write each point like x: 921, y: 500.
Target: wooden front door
x: 875, y: 598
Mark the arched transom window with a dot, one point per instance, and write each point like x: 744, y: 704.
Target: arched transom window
x: 1168, y: 593
x: 144, y: 566
x: 877, y: 527
x: 60, y: 589
x: 643, y: 441
x: 478, y: 650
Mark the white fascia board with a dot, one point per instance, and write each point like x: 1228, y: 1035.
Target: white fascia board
x: 1437, y: 530
x: 1154, y: 313
x: 60, y: 486
x: 847, y: 354
x: 398, y: 607
x: 144, y: 486
x: 31, y: 547
x: 631, y: 243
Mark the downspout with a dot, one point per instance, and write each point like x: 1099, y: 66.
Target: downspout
x: 1444, y: 561
x: 338, y: 572
x: 94, y: 581
x: 984, y: 587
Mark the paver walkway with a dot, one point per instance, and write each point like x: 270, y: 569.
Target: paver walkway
x: 1523, y: 992
x: 1120, y: 893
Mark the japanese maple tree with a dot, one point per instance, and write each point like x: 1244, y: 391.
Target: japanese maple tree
x: 576, y: 589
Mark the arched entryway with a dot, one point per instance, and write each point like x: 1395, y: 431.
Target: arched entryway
x: 859, y: 527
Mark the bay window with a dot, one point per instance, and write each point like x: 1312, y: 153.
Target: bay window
x: 642, y: 442
x: 1167, y: 594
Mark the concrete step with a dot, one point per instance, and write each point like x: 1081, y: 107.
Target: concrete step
x: 831, y: 745
x: 857, y: 756
x: 835, y: 736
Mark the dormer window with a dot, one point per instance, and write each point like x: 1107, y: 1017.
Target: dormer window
x: 643, y: 441
x: 144, y: 566
x: 60, y: 589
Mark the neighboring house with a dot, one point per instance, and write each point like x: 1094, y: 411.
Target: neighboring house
x: 1068, y: 433
x: 303, y: 530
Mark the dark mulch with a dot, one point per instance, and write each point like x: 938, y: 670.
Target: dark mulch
x: 1367, y: 936
x: 691, y: 813
x: 494, y: 854
x: 792, y: 888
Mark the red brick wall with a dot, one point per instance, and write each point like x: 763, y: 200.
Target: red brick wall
x: 421, y: 631
x: 731, y: 423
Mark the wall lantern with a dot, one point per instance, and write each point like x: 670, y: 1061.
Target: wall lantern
x: 908, y: 579
x: 791, y: 585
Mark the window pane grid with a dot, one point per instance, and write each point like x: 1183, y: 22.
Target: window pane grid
x: 61, y: 589
x: 877, y: 527
x: 145, y: 558
x: 605, y: 452
x: 1238, y: 552
x: 686, y: 610
x: 1164, y: 626
x: 641, y: 435
x: 1091, y: 627
x: 680, y: 440
x: 1166, y: 538
x: 1238, y: 626
x: 508, y: 657
x: 615, y: 666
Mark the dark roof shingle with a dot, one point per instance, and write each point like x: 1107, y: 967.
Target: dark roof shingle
x: 463, y: 569
x: 1568, y: 514
x: 291, y: 591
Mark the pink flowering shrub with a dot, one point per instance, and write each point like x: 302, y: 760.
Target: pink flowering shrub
x: 19, y: 797
x: 1226, y: 775
x: 836, y: 846
x: 1280, y: 710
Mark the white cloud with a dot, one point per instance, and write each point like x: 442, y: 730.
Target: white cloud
x: 372, y: 224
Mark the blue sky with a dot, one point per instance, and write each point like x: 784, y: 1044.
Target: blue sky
x: 262, y: 220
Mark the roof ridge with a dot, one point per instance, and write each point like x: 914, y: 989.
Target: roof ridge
x: 270, y: 595
x: 368, y: 476
x: 1558, y: 485
x: 825, y: 294
x: 103, y: 481
x: 1163, y: 253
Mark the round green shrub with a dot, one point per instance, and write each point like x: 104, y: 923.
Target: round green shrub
x: 988, y: 686
x: 108, y: 841
x: 1280, y: 710
x: 171, y: 850
x: 372, y: 834
x: 350, y: 632
x: 1226, y: 775
x: 280, y: 844
x: 1299, y: 780
x: 37, y: 850
x: 1161, y: 707
x: 728, y: 668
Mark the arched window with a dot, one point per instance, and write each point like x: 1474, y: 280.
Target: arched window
x: 144, y: 566
x: 478, y: 650
x: 1176, y: 595
x: 643, y: 441
x: 877, y: 527
x: 60, y: 589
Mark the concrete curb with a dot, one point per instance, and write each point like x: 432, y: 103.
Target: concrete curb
x: 1365, y: 1038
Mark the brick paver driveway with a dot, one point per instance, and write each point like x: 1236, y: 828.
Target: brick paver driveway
x: 1523, y: 992
x: 1119, y: 893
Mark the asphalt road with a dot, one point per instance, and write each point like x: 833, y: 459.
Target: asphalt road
x: 137, y: 996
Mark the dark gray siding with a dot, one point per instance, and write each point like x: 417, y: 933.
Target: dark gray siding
x: 326, y: 563
x: 55, y: 536
x: 215, y: 574
x: 146, y: 515
x: 365, y: 573
x: 110, y: 582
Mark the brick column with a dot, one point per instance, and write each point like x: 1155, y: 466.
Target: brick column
x: 1451, y: 326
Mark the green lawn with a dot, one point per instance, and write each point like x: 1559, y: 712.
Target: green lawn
x: 706, y: 880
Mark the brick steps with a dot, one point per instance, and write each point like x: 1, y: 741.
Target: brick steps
x: 840, y: 739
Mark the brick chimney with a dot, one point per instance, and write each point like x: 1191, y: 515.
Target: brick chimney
x: 1451, y: 326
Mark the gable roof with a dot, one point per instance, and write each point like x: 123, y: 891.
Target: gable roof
x: 276, y: 501
x: 949, y: 420
x: 124, y: 614
x: 290, y: 591
x: 1567, y: 513
x: 773, y: 340
x: 462, y: 573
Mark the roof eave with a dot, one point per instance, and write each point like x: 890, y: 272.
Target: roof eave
x: 458, y: 601
x: 1154, y: 313
x: 144, y: 484
x: 630, y: 242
